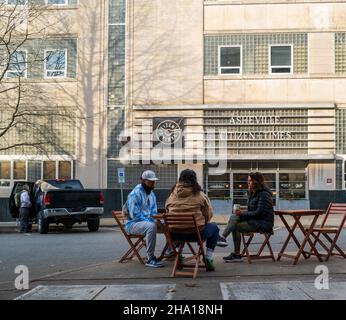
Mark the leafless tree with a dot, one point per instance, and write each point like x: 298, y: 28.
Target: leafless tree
x: 30, y: 120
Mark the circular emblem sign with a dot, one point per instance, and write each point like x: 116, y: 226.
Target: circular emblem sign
x: 168, y: 132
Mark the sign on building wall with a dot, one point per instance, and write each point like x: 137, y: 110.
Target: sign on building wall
x: 257, y: 130
x: 223, y: 131
x: 168, y: 131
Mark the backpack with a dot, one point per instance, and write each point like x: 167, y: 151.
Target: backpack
x: 126, y: 211
x: 17, y: 199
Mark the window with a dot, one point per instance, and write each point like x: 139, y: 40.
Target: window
x: 17, y: 65
x: 218, y: 186
x: 5, y: 173
x: 49, y: 170
x: 230, y: 60
x: 55, y: 63
x: 16, y: 2
x: 281, y: 59
x: 19, y: 170
x: 292, y: 186
x: 57, y: 2
x: 75, y: 185
x: 32, y: 171
x: 64, y: 170
x: 344, y: 173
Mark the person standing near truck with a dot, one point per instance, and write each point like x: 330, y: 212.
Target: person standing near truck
x: 25, y: 205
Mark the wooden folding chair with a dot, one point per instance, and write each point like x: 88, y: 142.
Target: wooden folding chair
x: 136, y: 246
x: 178, y: 224
x: 258, y: 255
x: 325, y: 230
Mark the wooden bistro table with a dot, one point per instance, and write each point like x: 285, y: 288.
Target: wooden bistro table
x: 297, y: 215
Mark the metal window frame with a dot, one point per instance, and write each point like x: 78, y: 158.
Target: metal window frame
x: 270, y: 59
x: 26, y: 169
x: 106, y: 79
x: 58, y: 167
x: 16, y: 4
x: 11, y: 175
x: 306, y: 172
x: 220, y: 68
x: 56, y: 4
x: 48, y: 70
x: 25, y: 68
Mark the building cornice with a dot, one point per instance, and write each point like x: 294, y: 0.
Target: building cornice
x: 233, y: 106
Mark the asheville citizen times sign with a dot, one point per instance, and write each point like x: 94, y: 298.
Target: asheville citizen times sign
x: 257, y: 130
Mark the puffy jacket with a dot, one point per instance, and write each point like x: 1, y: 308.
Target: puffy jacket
x: 260, y: 211
x: 182, y: 200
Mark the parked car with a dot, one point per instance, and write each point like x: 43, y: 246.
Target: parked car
x: 59, y: 201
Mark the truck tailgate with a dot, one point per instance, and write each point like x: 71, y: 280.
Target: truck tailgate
x: 74, y: 199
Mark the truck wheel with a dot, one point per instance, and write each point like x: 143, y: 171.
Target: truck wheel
x: 42, y: 224
x: 94, y: 224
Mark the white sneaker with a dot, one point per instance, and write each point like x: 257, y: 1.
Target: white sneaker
x: 154, y: 263
x: 222, y: 242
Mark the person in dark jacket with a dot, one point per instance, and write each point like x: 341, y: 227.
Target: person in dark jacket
x: 259, y: 216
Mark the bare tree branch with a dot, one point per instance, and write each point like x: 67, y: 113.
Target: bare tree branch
x: 30, y: 121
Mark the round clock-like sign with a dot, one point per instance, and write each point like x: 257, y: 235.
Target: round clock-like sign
x: 168, y: 132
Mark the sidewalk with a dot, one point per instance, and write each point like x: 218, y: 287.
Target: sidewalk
x: 262, y: 276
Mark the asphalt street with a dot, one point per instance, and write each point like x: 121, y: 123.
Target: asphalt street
x: 58, y: 251
x: 63, y: 250
x: 66, y: 251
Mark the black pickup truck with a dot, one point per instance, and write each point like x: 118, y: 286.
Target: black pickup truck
x: 59, y: 201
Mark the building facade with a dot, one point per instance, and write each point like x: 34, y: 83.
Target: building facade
x: 228, y: 87
x: 65, y: 66
x: 223, y: 87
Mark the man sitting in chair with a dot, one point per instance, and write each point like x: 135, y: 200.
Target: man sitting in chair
x: 187, y: 197
x: 142, y: 206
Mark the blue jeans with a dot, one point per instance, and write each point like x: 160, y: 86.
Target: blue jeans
x: 210, y: 233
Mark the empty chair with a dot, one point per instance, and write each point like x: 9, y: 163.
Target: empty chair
x: 331, y: 234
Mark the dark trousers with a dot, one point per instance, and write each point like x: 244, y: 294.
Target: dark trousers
x: 210, y: 233
x: 24, y: 220
x: 236, y: 226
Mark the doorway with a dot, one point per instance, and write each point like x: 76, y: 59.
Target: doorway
x: 239, y: 186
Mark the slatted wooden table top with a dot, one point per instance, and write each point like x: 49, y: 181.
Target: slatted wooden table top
x: 311, y: 212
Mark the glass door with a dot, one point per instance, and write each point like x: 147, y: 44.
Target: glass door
x: 270, y: 180
x: 240, y: 187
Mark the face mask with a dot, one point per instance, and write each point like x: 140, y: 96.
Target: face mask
x: 146, y: 188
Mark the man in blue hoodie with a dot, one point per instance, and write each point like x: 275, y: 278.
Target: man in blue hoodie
x: 142, y: 206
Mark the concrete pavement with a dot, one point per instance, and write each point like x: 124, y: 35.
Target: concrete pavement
x: 207, y: 285
x: 78, y: 257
